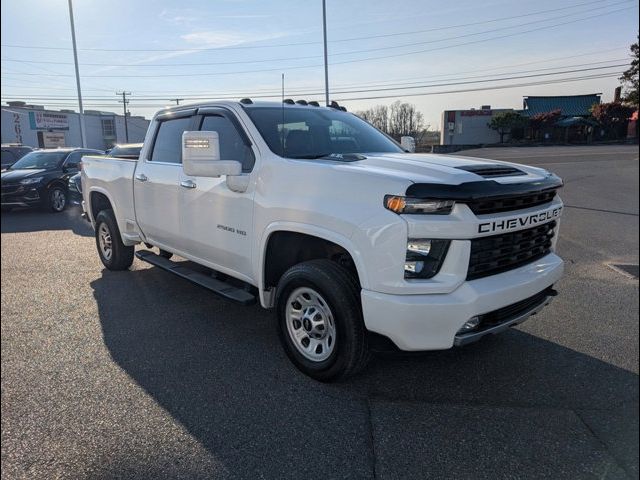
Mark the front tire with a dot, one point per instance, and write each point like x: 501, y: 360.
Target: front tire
x: 56, y: 199
x: 320, y: 320
x: 114, y: 254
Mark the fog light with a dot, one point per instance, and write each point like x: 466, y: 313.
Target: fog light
x: 413, y: 267
x: 470, y: 324
x: 424, y: 257
x: 421, y: 247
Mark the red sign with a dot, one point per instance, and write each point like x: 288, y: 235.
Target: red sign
x: 473, y: 113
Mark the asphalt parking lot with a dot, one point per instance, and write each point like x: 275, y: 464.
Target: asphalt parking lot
x: 142, y: 375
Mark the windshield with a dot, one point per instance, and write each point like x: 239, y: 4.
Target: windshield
x: 37, y: 160
x: 317, y: 132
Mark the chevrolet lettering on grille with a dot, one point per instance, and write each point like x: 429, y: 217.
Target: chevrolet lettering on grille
x: 507, y: 224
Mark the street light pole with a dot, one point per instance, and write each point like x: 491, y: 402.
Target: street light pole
x: 83, y: 135
x: 326, y: 64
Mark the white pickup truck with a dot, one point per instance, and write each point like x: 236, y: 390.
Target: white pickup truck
x: 357, y: 244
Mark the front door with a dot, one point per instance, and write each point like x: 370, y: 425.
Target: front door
x: 218, y: 223
x: 156, y: 183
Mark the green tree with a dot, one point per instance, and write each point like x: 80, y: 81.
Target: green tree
x: 543, y: 123
x: 630, y: 77
x: 613, y: 116
x: 505, y: 122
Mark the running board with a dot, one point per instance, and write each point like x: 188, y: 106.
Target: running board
x: 221, y: 288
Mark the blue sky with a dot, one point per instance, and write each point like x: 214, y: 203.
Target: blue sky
x: 422, y: 47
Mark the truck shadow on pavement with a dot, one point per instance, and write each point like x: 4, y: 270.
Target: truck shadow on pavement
x: 35, y: 220
x: 218, y: 369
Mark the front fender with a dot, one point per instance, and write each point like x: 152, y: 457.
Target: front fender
x: 312, y: 230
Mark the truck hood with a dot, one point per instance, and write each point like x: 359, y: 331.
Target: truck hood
x: 14, y: 176
x: 444, y: 169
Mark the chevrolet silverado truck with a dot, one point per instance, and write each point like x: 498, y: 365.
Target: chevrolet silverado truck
x: 357, y: 244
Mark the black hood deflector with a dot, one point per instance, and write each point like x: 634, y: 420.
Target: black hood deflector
x: 481, y: 190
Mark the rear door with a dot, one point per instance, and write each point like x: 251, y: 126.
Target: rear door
x: 217, y: 222
x: 157, y: 183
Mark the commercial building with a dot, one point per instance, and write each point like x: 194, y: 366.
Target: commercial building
x: 35, y: 126
x: 470, y: 127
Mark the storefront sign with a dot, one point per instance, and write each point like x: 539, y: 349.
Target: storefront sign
x: 48, y: 121
x: 53, y: 139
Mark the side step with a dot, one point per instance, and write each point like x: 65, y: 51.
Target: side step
x: 223, y: 289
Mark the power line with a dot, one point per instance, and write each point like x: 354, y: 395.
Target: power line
x: 485, y: 68
x: 208, y: 74
x: 307, y: 57
x: 417, y: 94
x: 239, y: 47
x: 400, y: 86
x: 540, y: 12
x: 515, y: 85
x: 419, y: 86
x: 155, y: 65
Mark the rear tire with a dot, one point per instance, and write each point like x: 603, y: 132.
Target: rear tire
x: 320, y: 320
x: 114, y: 254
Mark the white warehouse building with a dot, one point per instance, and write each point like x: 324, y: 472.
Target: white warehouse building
x: 469, y: 127
x: 35, y: 126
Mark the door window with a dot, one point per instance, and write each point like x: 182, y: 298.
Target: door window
x: 167, y: 147
x: 74, y: 159
x: 232, y: 145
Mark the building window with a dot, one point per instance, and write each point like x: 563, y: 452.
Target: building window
x: 108, y: 129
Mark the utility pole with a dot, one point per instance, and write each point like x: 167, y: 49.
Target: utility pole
x: 83, y: 134
x: 125, y: 102
x: 326, y: 64
x: 177, y: 100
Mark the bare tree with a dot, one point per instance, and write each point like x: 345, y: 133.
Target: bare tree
x: 404, y: 120
x: 398, y: 120
x: 377, y: 116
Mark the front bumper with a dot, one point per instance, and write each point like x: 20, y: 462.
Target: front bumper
x: 20, y: 196
x: 75, y: 197
x: 432, y: 321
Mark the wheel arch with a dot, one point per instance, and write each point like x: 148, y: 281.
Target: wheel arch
x: 293, y: 236
x: 99, y: 199
x: 56, y: 182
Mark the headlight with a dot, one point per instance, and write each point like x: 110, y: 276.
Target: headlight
x: 402, y: 205
x: 424, y: 257
x: 31, y: 180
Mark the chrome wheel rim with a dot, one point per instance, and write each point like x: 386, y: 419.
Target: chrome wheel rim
x: 104, y: 241
x: 310, y: 324
x: 58, y: 200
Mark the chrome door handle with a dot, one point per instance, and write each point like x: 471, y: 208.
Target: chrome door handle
x: 188, y: 184
x: 141, y: 177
